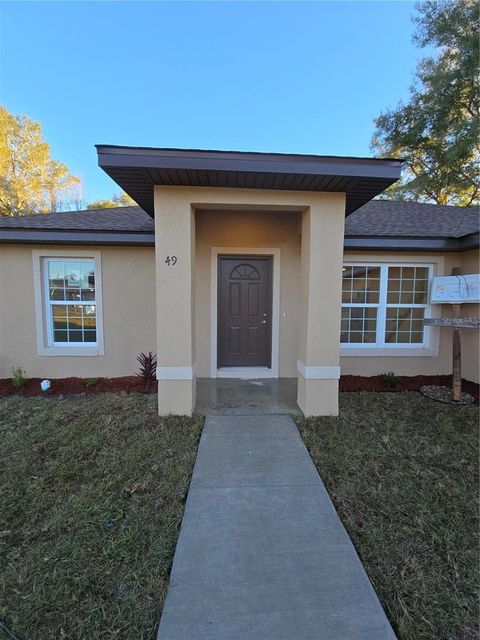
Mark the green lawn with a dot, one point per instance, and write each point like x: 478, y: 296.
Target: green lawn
x: 92, y: 490
x: 403, y: 474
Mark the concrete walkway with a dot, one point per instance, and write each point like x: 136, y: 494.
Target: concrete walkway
x: 262, y: 554
x: 236, y: 397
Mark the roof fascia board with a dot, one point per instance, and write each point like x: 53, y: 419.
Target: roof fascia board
x: 470, y: 241
x: 50, y: 236
x: 261, y: 163
x: 402, y: 243
x: 216, y: 153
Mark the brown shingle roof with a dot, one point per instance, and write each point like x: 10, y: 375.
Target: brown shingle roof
x: 115, y: 219
x: 378, y: 218
x: 383, y: 218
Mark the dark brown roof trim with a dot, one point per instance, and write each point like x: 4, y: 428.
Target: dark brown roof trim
x: 470, y: 241
x: 390, y: 243
x: 48, y: 236
x: 223, y: 152
x: 137, y: 169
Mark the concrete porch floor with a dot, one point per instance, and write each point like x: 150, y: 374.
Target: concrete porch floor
x: 238, y: 397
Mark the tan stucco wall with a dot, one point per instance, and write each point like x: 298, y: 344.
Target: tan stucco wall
x: 411, y: 365
x: 320, y: 257
x: 282, y: 230
x: 128, y: 279
x: 321, y: 276
x: 321, y: 286
x: 175, y: 292
x: 252, y: 229
x: 130, y: 316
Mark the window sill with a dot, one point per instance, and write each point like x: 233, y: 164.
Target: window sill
x: 373, y: 352
x: 71, y: 351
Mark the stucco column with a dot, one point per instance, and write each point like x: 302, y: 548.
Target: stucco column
x: 321, y: 272
x: 175, y: 259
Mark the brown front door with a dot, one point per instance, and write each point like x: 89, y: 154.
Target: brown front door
x: 244, y: 311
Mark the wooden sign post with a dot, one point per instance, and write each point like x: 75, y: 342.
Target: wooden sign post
x: 456, y: 358
x: 456, y: 322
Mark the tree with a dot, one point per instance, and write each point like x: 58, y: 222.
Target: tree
x: 436, y: 131
x: 30, y: 180
x: 117, y: 200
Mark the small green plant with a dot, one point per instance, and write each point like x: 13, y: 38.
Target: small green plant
x: 19, y: 377
x: 92, y: 382
x: 389, y: 378
x: 148, y: 367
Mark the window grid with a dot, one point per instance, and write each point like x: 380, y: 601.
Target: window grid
x: 370, y: 276
x: 399, y: 324
x: 417, y: 295
x: 73, y: 323
x: 413, y: 334
x: 356, y: 320
x: 71, y: 306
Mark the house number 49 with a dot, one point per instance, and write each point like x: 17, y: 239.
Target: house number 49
x: 171, y: 261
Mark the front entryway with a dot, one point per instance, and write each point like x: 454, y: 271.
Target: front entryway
x: 244, y: 311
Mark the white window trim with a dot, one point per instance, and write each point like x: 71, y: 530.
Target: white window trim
x: 430, y: 346
x: 50, y: 303
x: 42, y: 313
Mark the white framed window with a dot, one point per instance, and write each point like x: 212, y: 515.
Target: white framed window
x: 384, y: 305
x: 68, y: 302
x: 71, y: 309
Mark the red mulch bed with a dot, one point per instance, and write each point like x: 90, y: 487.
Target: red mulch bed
x: 59, y: 386
x: 134, y: 384
x: 403, y: 383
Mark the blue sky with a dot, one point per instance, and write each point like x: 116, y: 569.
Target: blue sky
x: 250, y: 76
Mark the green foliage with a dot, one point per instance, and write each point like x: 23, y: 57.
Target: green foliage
x: 389, y: 378
x: 30, y: 180
x: 92, y: 382
x: 117, y: 200
x: 436, y: 131
x: 19, y: 377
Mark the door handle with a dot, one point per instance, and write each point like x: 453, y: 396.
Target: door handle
x: 263, y: 322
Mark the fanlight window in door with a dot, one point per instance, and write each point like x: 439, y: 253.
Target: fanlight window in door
x: 244, y: 272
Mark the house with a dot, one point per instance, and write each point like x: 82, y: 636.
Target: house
x: 236, y: 265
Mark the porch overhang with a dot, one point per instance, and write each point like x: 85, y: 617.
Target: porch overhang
x: 138, y: 169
